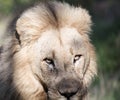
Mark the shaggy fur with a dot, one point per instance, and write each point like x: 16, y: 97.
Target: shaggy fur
x: 49, y: 56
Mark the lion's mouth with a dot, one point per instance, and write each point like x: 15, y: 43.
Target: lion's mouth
x: 78, y: 95
x: 66, y: 89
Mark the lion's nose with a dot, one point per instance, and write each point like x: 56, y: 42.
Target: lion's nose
x: 68, y: 88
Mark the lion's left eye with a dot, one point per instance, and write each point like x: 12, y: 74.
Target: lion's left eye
x: 76, y: 58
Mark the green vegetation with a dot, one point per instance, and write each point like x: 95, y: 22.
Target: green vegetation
x: 6, y: 6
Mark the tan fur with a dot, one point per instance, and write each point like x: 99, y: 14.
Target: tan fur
x: 58, y: 31
x: 38, y: 19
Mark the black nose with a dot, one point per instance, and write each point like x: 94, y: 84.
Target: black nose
x: 68, y: 88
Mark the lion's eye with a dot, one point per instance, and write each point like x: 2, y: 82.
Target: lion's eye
x: 76, y: 58
x: 49, y: 61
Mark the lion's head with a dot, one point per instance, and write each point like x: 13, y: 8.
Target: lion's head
x: 54, y: 58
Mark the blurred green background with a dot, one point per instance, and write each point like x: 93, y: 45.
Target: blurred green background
x: 105, y: 36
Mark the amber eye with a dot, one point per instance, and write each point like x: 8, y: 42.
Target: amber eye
x: 49, y: 61
x: 76, y: 58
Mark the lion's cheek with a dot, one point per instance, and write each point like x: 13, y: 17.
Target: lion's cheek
x: 79, y: 69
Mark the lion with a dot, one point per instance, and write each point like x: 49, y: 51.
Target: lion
x: 49, y: 56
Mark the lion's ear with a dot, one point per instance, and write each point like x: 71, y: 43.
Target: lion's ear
x: 24, y: 30
x: 29, y: 26
x: 81, y: 20
x: 76, y: 17
x: 33, y: 22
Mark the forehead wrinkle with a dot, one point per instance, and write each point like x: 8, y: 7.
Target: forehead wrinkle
x: 53, y: 54
x: 71, y: 50
x: 59, y: 37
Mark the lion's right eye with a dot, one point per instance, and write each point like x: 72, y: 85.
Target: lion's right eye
x: 49, y: 61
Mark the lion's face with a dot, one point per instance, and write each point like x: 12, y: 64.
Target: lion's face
x: 56, y: 54
x: 59, y: 60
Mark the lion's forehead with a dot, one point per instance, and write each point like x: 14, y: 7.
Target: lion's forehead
x: 69, y: 34
x: 71, y: 37
x: 65, y: 42
x: 63, y: 38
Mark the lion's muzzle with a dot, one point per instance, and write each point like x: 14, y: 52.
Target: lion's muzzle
x: 68, y: 87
